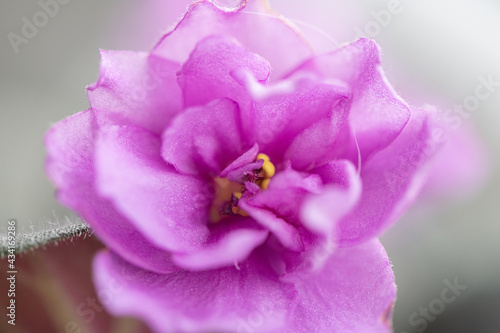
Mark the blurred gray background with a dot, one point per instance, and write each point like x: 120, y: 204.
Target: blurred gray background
x: 436, y: 48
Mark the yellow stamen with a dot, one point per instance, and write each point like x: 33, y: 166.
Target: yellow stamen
x: 262, y: 157
x: 265, y: 183
x: 238, y: 211
x: 225, y: 189
x: 268, y: 167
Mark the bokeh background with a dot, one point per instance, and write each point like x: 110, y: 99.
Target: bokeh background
x: 433, y: 51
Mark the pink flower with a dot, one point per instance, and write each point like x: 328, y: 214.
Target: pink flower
x: 240, y: 181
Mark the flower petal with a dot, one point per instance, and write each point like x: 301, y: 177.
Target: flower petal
x: 286, y: 233
x: 230, y: 242
x: 322, y: 212
x: 279, y: 113
x: 354, y: 292
x: 286, y: 192
x: 245, y: 159
x: 135, y: 88
x: 223, y: 300
x: 208, y: 73
x: 167, y: 207
x: 278, y: 207
x: 260, y: 30
x: 377, y: 113
x: 391, y: 181
x: 321, y: 142
x: 70, y: 165
x: 204, y: 140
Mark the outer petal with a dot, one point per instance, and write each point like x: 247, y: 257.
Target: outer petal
x: 204, y: 140
x: 70, y: 165
x: 163, y: 204
x: 230, y: 242
x: 208, y: 73
x: 391, y: 181
x: 377, y: 113
x: 135, y: 88
x: 223, y: 300
x: 258, y: 29
x: 353, y: 293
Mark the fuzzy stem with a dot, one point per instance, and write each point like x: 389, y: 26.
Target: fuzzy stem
x: 33, y: 240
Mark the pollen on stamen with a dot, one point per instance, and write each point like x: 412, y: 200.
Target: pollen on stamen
x: 265, y: 183
x: 268, y: 171
x: 268, y: 167
x: 229, y: 193
x: 222, y: 203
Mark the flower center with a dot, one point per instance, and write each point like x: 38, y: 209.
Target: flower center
x: 228, y: 193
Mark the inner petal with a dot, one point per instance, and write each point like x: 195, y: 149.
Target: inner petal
x: 202, y: 140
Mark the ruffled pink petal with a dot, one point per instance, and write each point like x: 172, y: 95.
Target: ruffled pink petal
x: 278, y: 207
x: 204, y: 140
x: 230, y: 242
x: 377, y: 113
x: 391, y: 181
x: 354, y: 292
x: 260, y: 30
x: 208, y: 73
x: 322, y: 212
x: 70, y: 165
x: 242, y: 161
x: 238, y: 175
x: 135, y: 89
x: 282, y: 112
x: 286, y: 192
x: 167, y: 207
x: 322, y: 141
x: 286, y: 233
x: 223, y: 300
